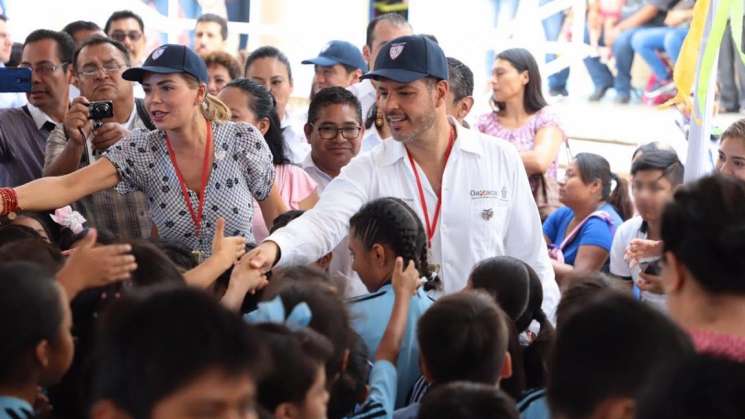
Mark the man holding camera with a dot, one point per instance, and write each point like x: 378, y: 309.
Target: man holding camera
x: 104, y: 113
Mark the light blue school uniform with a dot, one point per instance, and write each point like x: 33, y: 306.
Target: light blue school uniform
x: 380, y: 401
x: 370, y: 314
x: 15, y: 408
x: 534, y: 405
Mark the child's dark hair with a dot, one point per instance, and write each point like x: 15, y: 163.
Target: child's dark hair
x: 263, y: 105
x: 517, y: 289
x: 649, y: 147
x: 391, y: 222
x: 296, y: 358
x: 179, y: 254
x: 144, y: 344
x: 283, y: 219
x: 153, y: 265
x: 351, y: 387
x: 34, y: 251
x: 665, y: 161
x: 700, y: 387
x: 329, y: 318
x: 13, y: 232
x: 466, y: 400
x: 609, y: 348
x: 463, y: 337
x: 581, y: 290
x: 30, y: 312
x: 704, y: 227
x: 594, y: 167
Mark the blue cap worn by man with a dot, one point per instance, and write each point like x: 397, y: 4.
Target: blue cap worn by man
x: 410, y: 58
x: 167, y: 59
x: 339, y: 64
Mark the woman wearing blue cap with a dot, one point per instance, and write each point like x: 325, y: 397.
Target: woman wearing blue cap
x: 195, y: 168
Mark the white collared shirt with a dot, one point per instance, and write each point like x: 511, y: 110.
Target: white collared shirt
x: 39, y: 116
x: 296, y: 144
x: 487, y: 209
x: 365, y: 92
x: 319, y: 176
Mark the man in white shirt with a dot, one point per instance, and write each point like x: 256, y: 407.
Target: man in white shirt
x: 10, y: 99
x: 97, y: 67
x: 654, y: 177
x: 471, y: 192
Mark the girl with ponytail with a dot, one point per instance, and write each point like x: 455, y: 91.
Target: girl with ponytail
x: 380, y: 232
x: 595, y: 202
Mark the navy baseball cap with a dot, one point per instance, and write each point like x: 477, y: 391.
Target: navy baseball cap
x: 339, y: 52
x: 410, y: 58
x: 167, y: 59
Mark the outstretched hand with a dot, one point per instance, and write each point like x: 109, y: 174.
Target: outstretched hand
x: 243, y: 280
x: 263, y: 256
x: 227, y: 249
x: 639, y: 249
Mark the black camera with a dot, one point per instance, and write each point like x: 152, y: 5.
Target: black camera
x: 101, y: 110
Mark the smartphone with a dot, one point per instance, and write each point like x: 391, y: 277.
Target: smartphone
x: 14, y: 80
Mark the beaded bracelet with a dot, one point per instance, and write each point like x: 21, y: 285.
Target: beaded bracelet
x: 10, y: 201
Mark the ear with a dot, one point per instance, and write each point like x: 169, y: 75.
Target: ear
x: 675, y: 277
x: 107, y: 409
x: 525, y: 78
x: 286, y: 410
x: 378, y: 252
x: 366, y: 54
x: 201, y: 93
x: 325, y: 261
x: 464, y: 107
x: 42, y: 353
x: 506, y: 371
x: 441, y: 92
x: 264, y: 125
x: 308, y: 129
x: 69, y: 74
x: 75, y: 81
x: 356, y: 74
x: 615, y: 408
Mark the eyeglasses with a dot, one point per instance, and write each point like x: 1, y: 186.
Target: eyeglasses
x: 91, y: 71
x: 121, y: 35
x: 43, y: 69
x: 329, y: 132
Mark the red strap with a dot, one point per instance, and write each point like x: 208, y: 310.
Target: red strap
x: 195, y: 217
x: 433, y: 226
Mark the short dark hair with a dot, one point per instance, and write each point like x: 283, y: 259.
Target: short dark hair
x: 263, y: 105
x: 523, y: 60
x: 333, y: 96
x: 595, y: 347
x: 460, y: 78
x: 14, y: 232
x: 463, y: 337
x: 580, y: 291
x: 33, y: 250
x: 283, y: 219
x: 296, y: 358
x: 123, y: 14
x: 665, y: 161
x: 100, y: 40
x: 80, y: 25
x: 161, y: 341
x: 268, y: 52
x: 700, y: 387
x: 465, y: 400
x: 211, y: 17
x: 65, y: 43
x: 704, y: 227
x: 652, y: 146
x: 595, y: 167
x: 30, y: 312
x: 395, y: 19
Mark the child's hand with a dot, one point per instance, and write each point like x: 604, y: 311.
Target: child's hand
x: 227, y: 249
x: 650, y: 283
x: 640, y: 249
x: 90, y: 266
x: 243, y: 280
x: 405, y: 282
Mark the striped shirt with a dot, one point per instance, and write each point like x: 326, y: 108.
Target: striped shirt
x: 15, y: 408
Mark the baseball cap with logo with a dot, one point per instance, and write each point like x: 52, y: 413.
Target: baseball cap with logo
x: 167, y: 59
x: 410, y: 58
x: 339, y: 52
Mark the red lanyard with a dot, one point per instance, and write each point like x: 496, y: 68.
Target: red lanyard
x: 433, y: 226
x: 195, y: 217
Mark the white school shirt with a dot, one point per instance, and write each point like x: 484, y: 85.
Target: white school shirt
x: 487, y: 209
x: 296, y: 145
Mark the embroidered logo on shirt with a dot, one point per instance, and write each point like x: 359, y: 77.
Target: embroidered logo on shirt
x: 158, y: 52
x: 396, y: 50
x: 487, y: 214
x: 502, y: 194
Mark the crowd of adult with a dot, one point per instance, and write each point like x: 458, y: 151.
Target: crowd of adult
x: 206, y: 250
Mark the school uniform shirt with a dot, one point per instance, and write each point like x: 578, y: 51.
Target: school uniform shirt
x: 341, y: 261
x: 534, y: 405
x: 296, y: 145
x: 380, y: 400
x: 370, y: 315
x: 594, y: 232
x: 487, y: 209
x: 409, y: 412
x: 634, y: 228
x: 15, y: 408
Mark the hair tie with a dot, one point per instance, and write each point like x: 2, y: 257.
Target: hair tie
x: 68, y: 218
x: 613, y: 181
x: 273, y: 311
